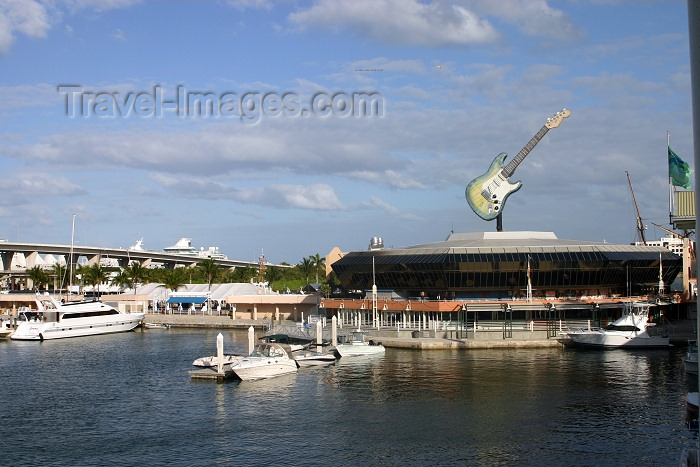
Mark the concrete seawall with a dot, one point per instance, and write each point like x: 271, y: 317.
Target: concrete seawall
x: 679, y: 332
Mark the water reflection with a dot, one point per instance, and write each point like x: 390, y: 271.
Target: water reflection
x: 131, y: 395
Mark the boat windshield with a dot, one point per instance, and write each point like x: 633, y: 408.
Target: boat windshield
x: 30, y: 316
x: 268, y: 351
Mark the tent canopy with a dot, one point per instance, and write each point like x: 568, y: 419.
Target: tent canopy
x: 197, y: 300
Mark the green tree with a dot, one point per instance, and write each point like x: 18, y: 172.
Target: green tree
x: 94, y: 275
x: 306, y: 267
x: 131, y: 275
x: 244, y: 274
x: 173, y: 279
x: 38, y: 277
x: 319, y: 264
x: 272, y: 274
x: 210, y: 270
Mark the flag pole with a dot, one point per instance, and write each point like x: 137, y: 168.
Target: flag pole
x: 670, y: 182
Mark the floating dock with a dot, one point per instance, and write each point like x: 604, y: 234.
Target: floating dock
x: 210, y: 374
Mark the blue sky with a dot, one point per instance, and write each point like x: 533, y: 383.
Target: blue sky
x: 458, y: 82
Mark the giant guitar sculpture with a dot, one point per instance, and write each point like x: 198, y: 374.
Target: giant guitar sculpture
x: 487, y: 193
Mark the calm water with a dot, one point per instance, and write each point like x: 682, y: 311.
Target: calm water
x: 127, y: 399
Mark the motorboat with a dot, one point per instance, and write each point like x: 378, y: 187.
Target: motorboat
x: 357, y: 345
x: 156, y: 325
x: 690, y: 359
x: 55, y: 320
x: 310, y: 357
x: 691, y: 402
x: 268, y: 359
x: 631, y: 330
x: 213, y: 361
x: 295, y: 343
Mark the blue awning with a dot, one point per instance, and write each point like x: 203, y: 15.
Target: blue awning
x: 197, y: 300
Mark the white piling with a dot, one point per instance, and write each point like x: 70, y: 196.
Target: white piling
x: 334, y: 331
x: 319, y: 336
x: 220, y: 354
x: 251, y: 340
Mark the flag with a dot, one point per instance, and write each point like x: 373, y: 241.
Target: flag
x: 678, y: 170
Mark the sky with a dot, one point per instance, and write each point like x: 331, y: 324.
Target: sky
x: 290, y: 128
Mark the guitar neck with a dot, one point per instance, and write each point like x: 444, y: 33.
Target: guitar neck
x: 519, y: 157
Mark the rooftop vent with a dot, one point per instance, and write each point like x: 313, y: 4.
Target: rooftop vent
x: 376, y: 243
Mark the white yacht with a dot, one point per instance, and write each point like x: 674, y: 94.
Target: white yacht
x: 358, y: 346
x: 56, y: 320
x: 628, y: 331
x: 267, y: 360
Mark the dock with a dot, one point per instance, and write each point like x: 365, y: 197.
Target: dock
x: 210, y: 374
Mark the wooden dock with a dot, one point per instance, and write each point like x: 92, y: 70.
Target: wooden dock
x: 210, y: 374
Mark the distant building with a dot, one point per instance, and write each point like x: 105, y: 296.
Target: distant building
x: 671, y: 243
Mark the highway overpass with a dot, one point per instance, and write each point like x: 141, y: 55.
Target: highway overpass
x: 35, y: 253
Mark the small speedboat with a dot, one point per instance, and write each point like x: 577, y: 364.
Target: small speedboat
x: 156, y: 326
x: 690, y: 359
x: 358, y: 346
x: 310, y: 357
x: 267, y: 360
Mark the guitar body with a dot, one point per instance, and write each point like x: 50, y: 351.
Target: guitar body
x: 488, y: 193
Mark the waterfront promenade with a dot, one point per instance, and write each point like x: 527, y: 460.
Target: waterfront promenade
x: 679, y: 331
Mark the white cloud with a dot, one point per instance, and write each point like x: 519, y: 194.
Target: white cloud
x: 28, y: 17
x: 406, y: 22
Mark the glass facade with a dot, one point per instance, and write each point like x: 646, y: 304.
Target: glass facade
x: 503, y: 272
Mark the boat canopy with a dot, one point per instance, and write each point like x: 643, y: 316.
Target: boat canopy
x: 197, y: 300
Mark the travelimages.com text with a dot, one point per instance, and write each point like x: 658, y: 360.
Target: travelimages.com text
x: 249, y: 107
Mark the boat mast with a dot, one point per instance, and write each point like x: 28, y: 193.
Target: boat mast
x: 70, y: 259
x: 640, y: 225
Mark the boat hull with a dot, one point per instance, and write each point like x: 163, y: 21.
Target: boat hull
x: 248, y: 370
x: 310, y: 358
x: 354, y: 350
x: 266, y: 361
x: 595, y: 339
x: 690, y: 365
x: 77, y: 327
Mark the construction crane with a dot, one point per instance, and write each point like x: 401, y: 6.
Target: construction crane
x: 640, y: 225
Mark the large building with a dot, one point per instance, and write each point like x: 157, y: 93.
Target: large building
x: 509, y: 265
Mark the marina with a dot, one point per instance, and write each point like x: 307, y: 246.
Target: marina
x: 475, y: 404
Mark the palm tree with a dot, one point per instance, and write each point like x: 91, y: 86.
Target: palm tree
x: 243, y: 274
x: 173, y: 279
x: 318, y: 263
x: 272, y: 274
x: 306, y: 267
x: 210, y: 270
x: 131, y: 275
x: 38, y: 277
x: 96, y: 275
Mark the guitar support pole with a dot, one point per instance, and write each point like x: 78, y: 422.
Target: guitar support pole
x: 499, y: 222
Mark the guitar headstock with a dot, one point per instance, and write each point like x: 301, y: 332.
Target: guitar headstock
x: 555, y: 120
